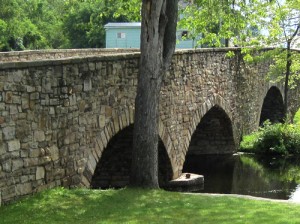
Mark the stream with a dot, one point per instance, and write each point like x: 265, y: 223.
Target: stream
x: 273, y: 177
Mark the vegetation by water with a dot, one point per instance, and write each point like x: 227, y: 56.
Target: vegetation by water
x: 276, y: 138
x: 144, y: 206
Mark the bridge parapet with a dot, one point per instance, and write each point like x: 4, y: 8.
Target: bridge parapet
x: 36, y: 55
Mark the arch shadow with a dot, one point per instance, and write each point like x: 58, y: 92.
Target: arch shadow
x: 212, y: 131
x: 213, y: 135
x: 273, y: 107
x: 109, y: 163
x: 114, y: 167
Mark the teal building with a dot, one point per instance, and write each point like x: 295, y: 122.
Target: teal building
x: 127, y: 35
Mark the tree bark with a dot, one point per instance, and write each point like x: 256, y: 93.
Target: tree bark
x: 158, y: 39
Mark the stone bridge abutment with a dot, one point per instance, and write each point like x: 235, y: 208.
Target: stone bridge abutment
x: 68, y: 121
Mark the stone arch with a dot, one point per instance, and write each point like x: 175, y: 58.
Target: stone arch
x: 212, y: 130
x: 211, y: 102
x: 213, y: 134
x: 273, y: 107
x: 109, y: 162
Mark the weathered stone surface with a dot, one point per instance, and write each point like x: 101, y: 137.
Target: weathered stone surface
x: 39, y: 136
x: 59, y: 117
x: 40, y: 173
x: 23, y: 189
x: 17, y: 164
x: 54, y: 152
x: 13, y: 145
x: 9, y: 133
x: 186, y: 182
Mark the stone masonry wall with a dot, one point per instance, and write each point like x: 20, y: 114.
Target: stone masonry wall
x: 53, y: 113
x: 57, y: 116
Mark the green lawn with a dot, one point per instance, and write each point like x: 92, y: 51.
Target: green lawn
x: 144, y: 206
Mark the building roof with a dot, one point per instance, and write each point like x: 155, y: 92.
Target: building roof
x: 123, y: 25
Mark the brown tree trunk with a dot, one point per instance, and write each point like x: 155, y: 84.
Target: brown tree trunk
x: 158, y: 39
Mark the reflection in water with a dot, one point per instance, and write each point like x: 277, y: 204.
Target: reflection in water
x: 269, y: 177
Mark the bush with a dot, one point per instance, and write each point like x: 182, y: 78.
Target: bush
x: 296, y: 119
x: 273, y: 139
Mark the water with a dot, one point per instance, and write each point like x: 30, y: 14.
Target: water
x: 268, y: 177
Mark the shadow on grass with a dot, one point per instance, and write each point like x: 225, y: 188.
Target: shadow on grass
x: 143, y: 206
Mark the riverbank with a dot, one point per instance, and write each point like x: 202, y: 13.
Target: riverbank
x: 144, y: 206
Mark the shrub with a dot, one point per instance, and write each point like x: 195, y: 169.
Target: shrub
x: 296, y: 119
x: 276, y: 138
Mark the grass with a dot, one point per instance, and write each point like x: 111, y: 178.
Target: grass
x: 144, y: 206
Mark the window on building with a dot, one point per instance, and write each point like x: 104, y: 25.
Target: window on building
x: 121, y: 35
x: 184, y: 34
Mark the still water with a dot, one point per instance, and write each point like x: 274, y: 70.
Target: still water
x: 268, y: 177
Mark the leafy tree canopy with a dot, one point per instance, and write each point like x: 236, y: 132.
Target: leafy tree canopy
x: 40, y: 24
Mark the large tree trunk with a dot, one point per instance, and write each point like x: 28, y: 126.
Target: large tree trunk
x: 158, y: 39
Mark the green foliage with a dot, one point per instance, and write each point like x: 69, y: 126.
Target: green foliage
x: 220, y: 23
x: 276, y: 138
x: 128, y: 9
x: 296, y: 119
x: 144, y: 206
x: 84, y: 25
x: 40, y: 24
x: 251, y: 25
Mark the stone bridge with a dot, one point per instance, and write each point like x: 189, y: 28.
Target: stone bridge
x: 66, y: 116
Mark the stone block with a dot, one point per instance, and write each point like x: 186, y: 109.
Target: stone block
x: 34, y: 96
x: 87, y: 85
x: 54, y: 102
x: 40, y: 173
x: 39, y: 136
x: 6, y: 165
x: 101, y: 121
x: 23, y: 189
x: 30, y: 89
x: 34, y: 153
x: 54, y: 152
x: 8, y: 193
x: 51, y: 110
x: 29, y: 162
x: 17, y: 164
x: 8, y: 97
x: 9, y: 133
x: 13, y: 109
x: 46, y: 85
x: 13, y: 145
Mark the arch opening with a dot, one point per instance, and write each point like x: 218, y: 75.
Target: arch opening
x: 273, y: 107
x: 114, y: 167
x: 213, y: 135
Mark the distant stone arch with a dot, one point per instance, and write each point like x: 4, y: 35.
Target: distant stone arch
x: 272, y: 107
x: 109, y: 163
